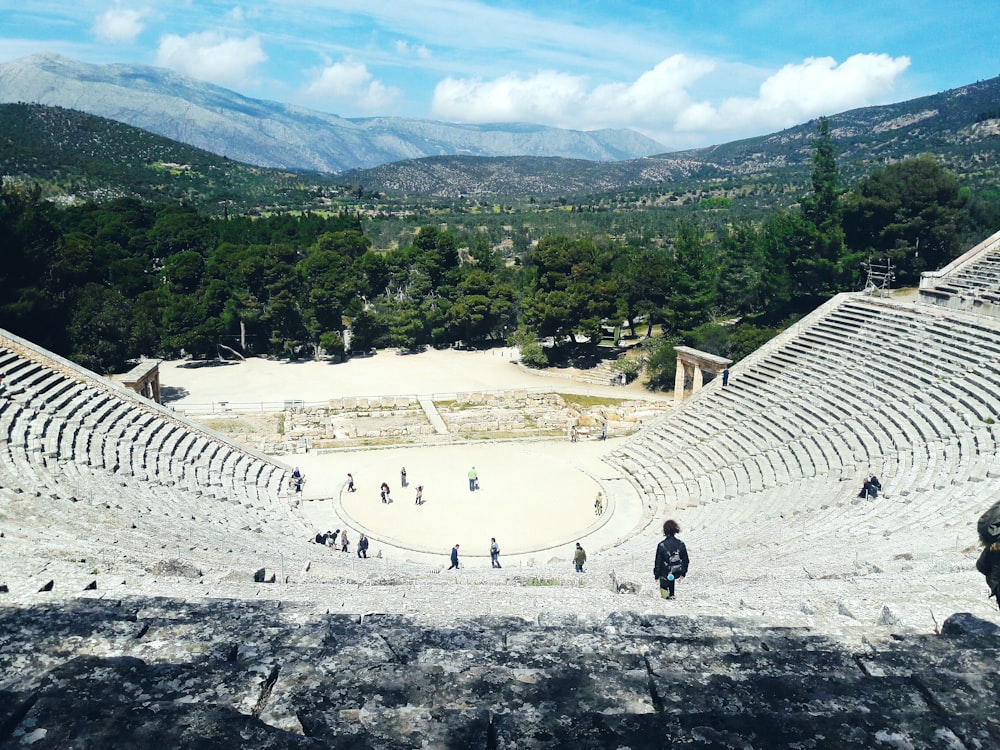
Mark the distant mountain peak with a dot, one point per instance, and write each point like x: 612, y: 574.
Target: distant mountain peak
x: 272, y: 134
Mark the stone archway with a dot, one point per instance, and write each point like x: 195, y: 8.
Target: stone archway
x: 698, y: 362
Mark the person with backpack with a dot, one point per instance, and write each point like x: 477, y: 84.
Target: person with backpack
x: 494, y: 552
x: 671, y: 560
x: 989, y: 560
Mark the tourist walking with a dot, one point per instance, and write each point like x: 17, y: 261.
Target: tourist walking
x: 579, y: 558
x: 350, y: 482
x: 363, y: 547
x: 599, y: 505
x: 725, y: 377
x: 671, y: 560
x: 344, y: 543
x: 402, y: 477
x: 384, y: 492
x: 419, y: 499
x: 494, y: 552
x: 473, y: 480
x: 454, y: 557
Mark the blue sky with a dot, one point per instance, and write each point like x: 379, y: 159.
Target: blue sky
x: 685, y: 73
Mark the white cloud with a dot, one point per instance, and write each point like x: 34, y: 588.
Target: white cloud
x: 211, y: 56
x: 546, y: 97
x: 565, y: 100
x: 663, y: 101
x: 407, y: 49
x: 119, y: 25
x: 349, y: 83
x: 817, y: 86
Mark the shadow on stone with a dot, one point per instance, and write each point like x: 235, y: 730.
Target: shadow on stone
x: 158, y: 672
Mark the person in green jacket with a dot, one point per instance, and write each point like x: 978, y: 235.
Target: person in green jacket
x: 579, y: 558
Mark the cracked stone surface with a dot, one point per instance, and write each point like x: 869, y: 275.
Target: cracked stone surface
x: 144, y: 672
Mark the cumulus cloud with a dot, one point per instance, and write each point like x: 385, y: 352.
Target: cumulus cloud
x: 349, y: 83
x: 799, y: 92
x: 119, y: 24
x: 566, y: 100
x: 211, y: 56
x: 663, y: 101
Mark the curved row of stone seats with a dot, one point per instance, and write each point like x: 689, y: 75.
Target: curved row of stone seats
x: 865, y: 385
x: 970, y: 282
x: 103, y: 430
x: 124, y: 473
x: 117, y: 525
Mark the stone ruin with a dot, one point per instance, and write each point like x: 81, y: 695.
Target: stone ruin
x: 158, y: 588
x: 404, y: 420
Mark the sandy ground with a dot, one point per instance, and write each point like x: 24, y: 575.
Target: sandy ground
x: 535, y: 497
x: 385, y: 374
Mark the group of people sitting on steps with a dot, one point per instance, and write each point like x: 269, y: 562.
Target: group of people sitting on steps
x: 330, y: 539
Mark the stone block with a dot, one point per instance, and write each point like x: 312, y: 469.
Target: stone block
x: 263, y: 575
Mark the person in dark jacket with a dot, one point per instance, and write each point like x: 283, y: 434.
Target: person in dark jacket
x: 671, y: 560
x: 989, y: 560
x: 454, y: 557
x: 363, y: 547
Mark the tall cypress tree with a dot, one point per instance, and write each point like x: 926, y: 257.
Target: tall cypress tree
x: 692, y: 280
x: 816, y: 268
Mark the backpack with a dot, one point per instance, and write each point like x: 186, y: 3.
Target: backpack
x: 673, y: 562
x: 989, y: 525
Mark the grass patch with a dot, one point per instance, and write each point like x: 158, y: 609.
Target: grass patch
x: 225, y: 426
x: 542, y: 582
x: 456, y: 405
x: 586, y: 402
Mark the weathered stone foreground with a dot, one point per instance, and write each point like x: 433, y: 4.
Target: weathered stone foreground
x: 168, y: 673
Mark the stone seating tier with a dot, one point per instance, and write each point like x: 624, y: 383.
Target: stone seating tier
x: 836, y: 389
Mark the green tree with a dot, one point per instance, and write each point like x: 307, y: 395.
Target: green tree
x: 692, y: 280
x: 911, y: 212
x: 643, y: 277
x: 816, y: 263
x: 742, y: 270
x: 571, y: 288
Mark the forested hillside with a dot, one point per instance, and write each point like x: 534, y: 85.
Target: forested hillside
x: 105, y: 283
x: 75, y: 156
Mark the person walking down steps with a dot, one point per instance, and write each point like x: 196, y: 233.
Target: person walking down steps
x: 671, y: 560
x: 454, y: 557
x: 579, y: 558
x: 494, y: 552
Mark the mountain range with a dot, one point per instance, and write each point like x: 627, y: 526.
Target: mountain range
x: 82, y: 154
x: 960, y: 127
x: 271, y: 134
